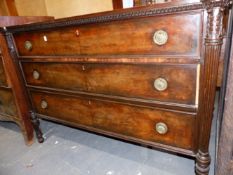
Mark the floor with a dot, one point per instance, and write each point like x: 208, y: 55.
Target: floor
x: 69, y: 151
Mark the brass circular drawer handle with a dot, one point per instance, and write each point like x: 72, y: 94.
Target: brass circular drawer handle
x: 28, y: 45
x: 44, y: 104
x: 161, y: 128
x: 160, y: 84
x: 36, y: 74
x: 160, y: 37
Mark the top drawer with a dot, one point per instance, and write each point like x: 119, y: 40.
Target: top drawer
x: 161, y: 35
x: 3, y: 81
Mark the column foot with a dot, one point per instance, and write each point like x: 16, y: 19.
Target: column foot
x: 36, y: 126
x: 202, y: 166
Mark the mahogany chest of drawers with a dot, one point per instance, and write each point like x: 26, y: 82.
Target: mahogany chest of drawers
x: 146, y: 75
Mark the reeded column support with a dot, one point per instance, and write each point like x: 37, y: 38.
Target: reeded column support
x: 209, y: 67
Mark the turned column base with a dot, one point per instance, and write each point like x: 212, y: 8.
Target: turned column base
x: 36, y: 126
x: 202, y: 166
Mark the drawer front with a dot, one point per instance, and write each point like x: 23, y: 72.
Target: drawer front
x: 3, y: 81
x: 135, y: 36
x: 134, y: 81
x: 7, y: 103
x: 113, y: 117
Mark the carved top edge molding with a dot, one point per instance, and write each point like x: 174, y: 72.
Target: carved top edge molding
x: 113, y: 16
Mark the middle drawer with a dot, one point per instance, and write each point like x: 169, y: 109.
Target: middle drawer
x: 173, y: 83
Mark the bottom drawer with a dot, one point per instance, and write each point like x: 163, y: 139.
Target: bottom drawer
x: 7, y: 103
x: 170, y: 128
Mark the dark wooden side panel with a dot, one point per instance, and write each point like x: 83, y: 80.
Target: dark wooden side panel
x: 7, y: 103
x: 19, y: 95
x: 127, y: 80
x: 3, y: 81
x: 133, y: 36
x: 124, y: 119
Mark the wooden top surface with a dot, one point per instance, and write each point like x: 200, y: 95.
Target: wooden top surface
x: 19, y: 20
x: 119, y: 14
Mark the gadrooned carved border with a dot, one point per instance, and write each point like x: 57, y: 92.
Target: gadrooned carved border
x: 142, y: 12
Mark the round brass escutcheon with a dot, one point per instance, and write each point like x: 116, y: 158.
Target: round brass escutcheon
x: 160, y: 84
x: 77, y: 32
x: 161, y: 128
x: 36, y: 74
x: 28, y: 45
x: 160, y: 37
x: 44, y: 104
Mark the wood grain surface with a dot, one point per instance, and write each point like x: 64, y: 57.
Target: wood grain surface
x: 127, y: 80
x: 119, y: 118
x: 118, y: 37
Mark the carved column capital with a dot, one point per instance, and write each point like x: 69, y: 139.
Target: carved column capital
x: 210, y: 4
x: 215, y: 10
x: 214, y: 32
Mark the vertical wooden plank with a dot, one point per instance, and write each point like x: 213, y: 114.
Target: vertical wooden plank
x: 11, y: 8
x: 18, y: 90
x: 117, y: 4
x: 3, y: 9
